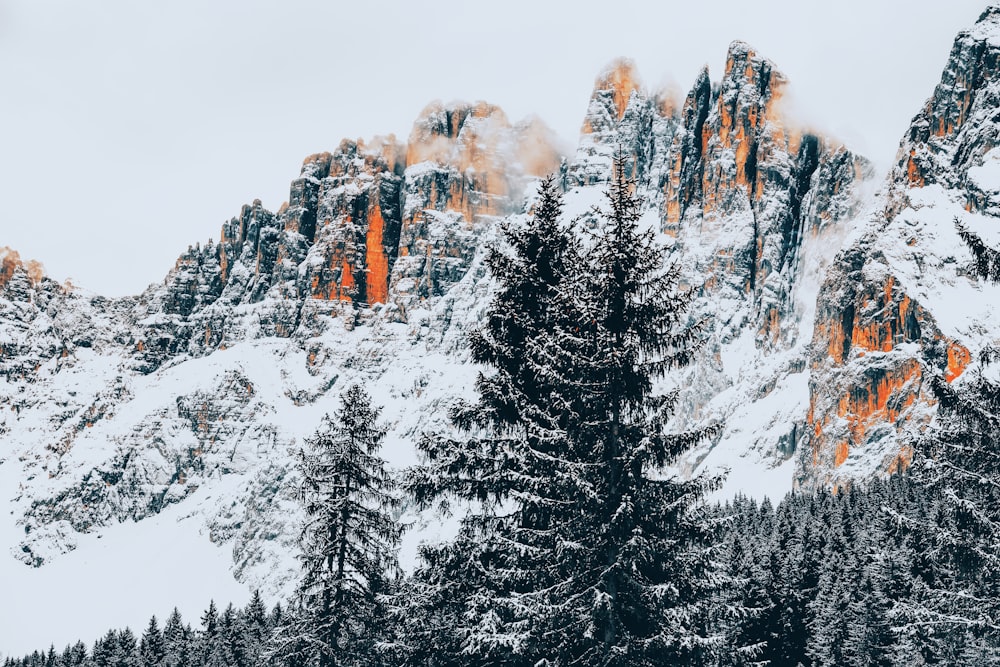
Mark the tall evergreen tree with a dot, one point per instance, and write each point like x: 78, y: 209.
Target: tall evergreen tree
x: 211, y: 648
x: 958, y: 594
x: 510, y: 452
x: 644, y: 564
x: 177, y: 641
x: 255, y: 632
x: 126, y: 650
x: 349, y: 541
x: 104, y: 649
x: 152, y: 648
x: 594, y: 557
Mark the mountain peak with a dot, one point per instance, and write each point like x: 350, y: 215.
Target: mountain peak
x: 956, y: 126
x: 988, y: 24
x: 441, y: 130
x: 745, y: 66
x: 620, y: 79
x: 11, y: 264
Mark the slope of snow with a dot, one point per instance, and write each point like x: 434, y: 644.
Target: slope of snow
x: 118, y: 576
x: 987, y: 175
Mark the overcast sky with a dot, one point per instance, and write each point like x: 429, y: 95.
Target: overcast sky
x: 131, y: 129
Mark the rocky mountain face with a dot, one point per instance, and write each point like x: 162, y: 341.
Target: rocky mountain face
x: 899, y: 303
x: 194, y: 395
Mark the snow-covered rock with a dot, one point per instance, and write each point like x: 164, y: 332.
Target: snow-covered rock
x: 899, y: 303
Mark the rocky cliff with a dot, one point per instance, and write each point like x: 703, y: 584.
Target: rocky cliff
x: 899, y: 304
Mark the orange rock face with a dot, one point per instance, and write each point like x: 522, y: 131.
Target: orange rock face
x: 10, y: 261
x: 745, y: 120
x: 622, y: 79
x: 356, y: 205
x: 376, y: 260
x: 958, y: 361
x: 885, y: 397
x: 913, y: 175
x: 466, y: 160
x: 872, y: 384
x: 883, y: 400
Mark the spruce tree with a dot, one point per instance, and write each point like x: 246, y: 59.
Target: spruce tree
x: 104, y: 649
x: 177, y: 639
x: 126, y: 650
x: 509, y: 452
x: 255, y: 632
x: 594, y: 557
x: 152, y: 648
x: 349, y: 540
x: 958, y: 594
x: 78, y: 655
x: 644, y: 551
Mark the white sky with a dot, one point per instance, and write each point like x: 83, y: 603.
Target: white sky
x: 130, y: 129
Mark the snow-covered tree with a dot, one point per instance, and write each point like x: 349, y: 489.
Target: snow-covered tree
x: 349, y: 541
x: 641, y: 566
x: 255, y: 632
x: 953, y: 612
x: 177, y: 641
x: 587, y: 553
x: 510, y: 452
x: 152, y: 648
x: 126, y: 650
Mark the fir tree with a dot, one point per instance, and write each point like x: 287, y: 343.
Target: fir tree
x: 176, y: 640
x: 591, y: 557
x: 511, y: 452
x: 645, y: 551
x: 126, y: 650
x: 953, y: 613
x: 229, y: 638
x: 349, y: 540
x: 255, y: 632
x: 104, y: 649
x: 211, y: 649
x: 152, y: 648
x: 77, y: 655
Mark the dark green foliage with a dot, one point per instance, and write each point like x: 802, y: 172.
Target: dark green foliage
x: 240, y: 636
x: 986, y: 260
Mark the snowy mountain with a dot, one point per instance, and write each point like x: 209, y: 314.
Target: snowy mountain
x: 899, y: 303
x: 181, y: 408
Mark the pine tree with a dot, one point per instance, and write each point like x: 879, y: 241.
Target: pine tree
x: 255, y: 632
x: 152, y: 648
x: 177, y: 641
x: 211, y: 650
x: 957, y: 597
x: 510, y: 446
x: 646, y: 552
x: 77, y: 655
x: 104, y: 649
x: 593, y: 557
x: 229, y: 638
x: 349, y: 540
x: 126, y: 650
